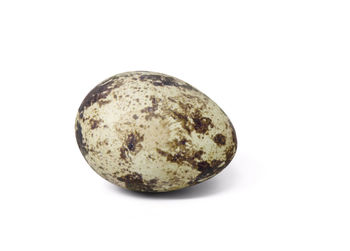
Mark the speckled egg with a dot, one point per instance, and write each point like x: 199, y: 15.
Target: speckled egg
x: 150, y: 132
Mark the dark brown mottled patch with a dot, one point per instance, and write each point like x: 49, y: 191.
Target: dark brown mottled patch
x: 181, y: 156
x: 150, y: 110
x: 179, y: 144
x: 220, y: 139
x: 183, y: 153
x: 135, y: 116
x: 80, y: 139
x: 183, y: 119
x: 159, y: 80
x: 208, y: 170
x: 135, y: 182
x: 131, y: 145
x: 198, y: 154
x: 204, y: 167
x: 150, y: 77
x: 191, y: 120
x: 99, y: 93
x: 166, y: 81
x: 194, y: 158
x: 133, y: 140
x: 201, y: 124
x: 123, y: 152
x: 94, y: 123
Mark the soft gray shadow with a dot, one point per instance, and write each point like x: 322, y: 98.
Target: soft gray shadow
x: 222, y: 182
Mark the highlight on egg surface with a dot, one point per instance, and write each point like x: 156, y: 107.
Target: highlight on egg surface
x: 150, y: 132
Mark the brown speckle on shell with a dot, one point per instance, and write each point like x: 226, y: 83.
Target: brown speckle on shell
x: 94, y: 123
x: 220, y: 139
x: 133, y: 141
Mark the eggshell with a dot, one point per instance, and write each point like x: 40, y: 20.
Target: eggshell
x: 151, y: 132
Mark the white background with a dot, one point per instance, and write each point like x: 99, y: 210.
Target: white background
x: 279, y: 69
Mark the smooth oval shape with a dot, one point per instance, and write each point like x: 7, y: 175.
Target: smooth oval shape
x: 150, y: 132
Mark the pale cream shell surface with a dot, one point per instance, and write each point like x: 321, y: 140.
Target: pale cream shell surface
x: 151, y: 132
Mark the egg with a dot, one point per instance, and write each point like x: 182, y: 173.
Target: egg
x: 150, y: 132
